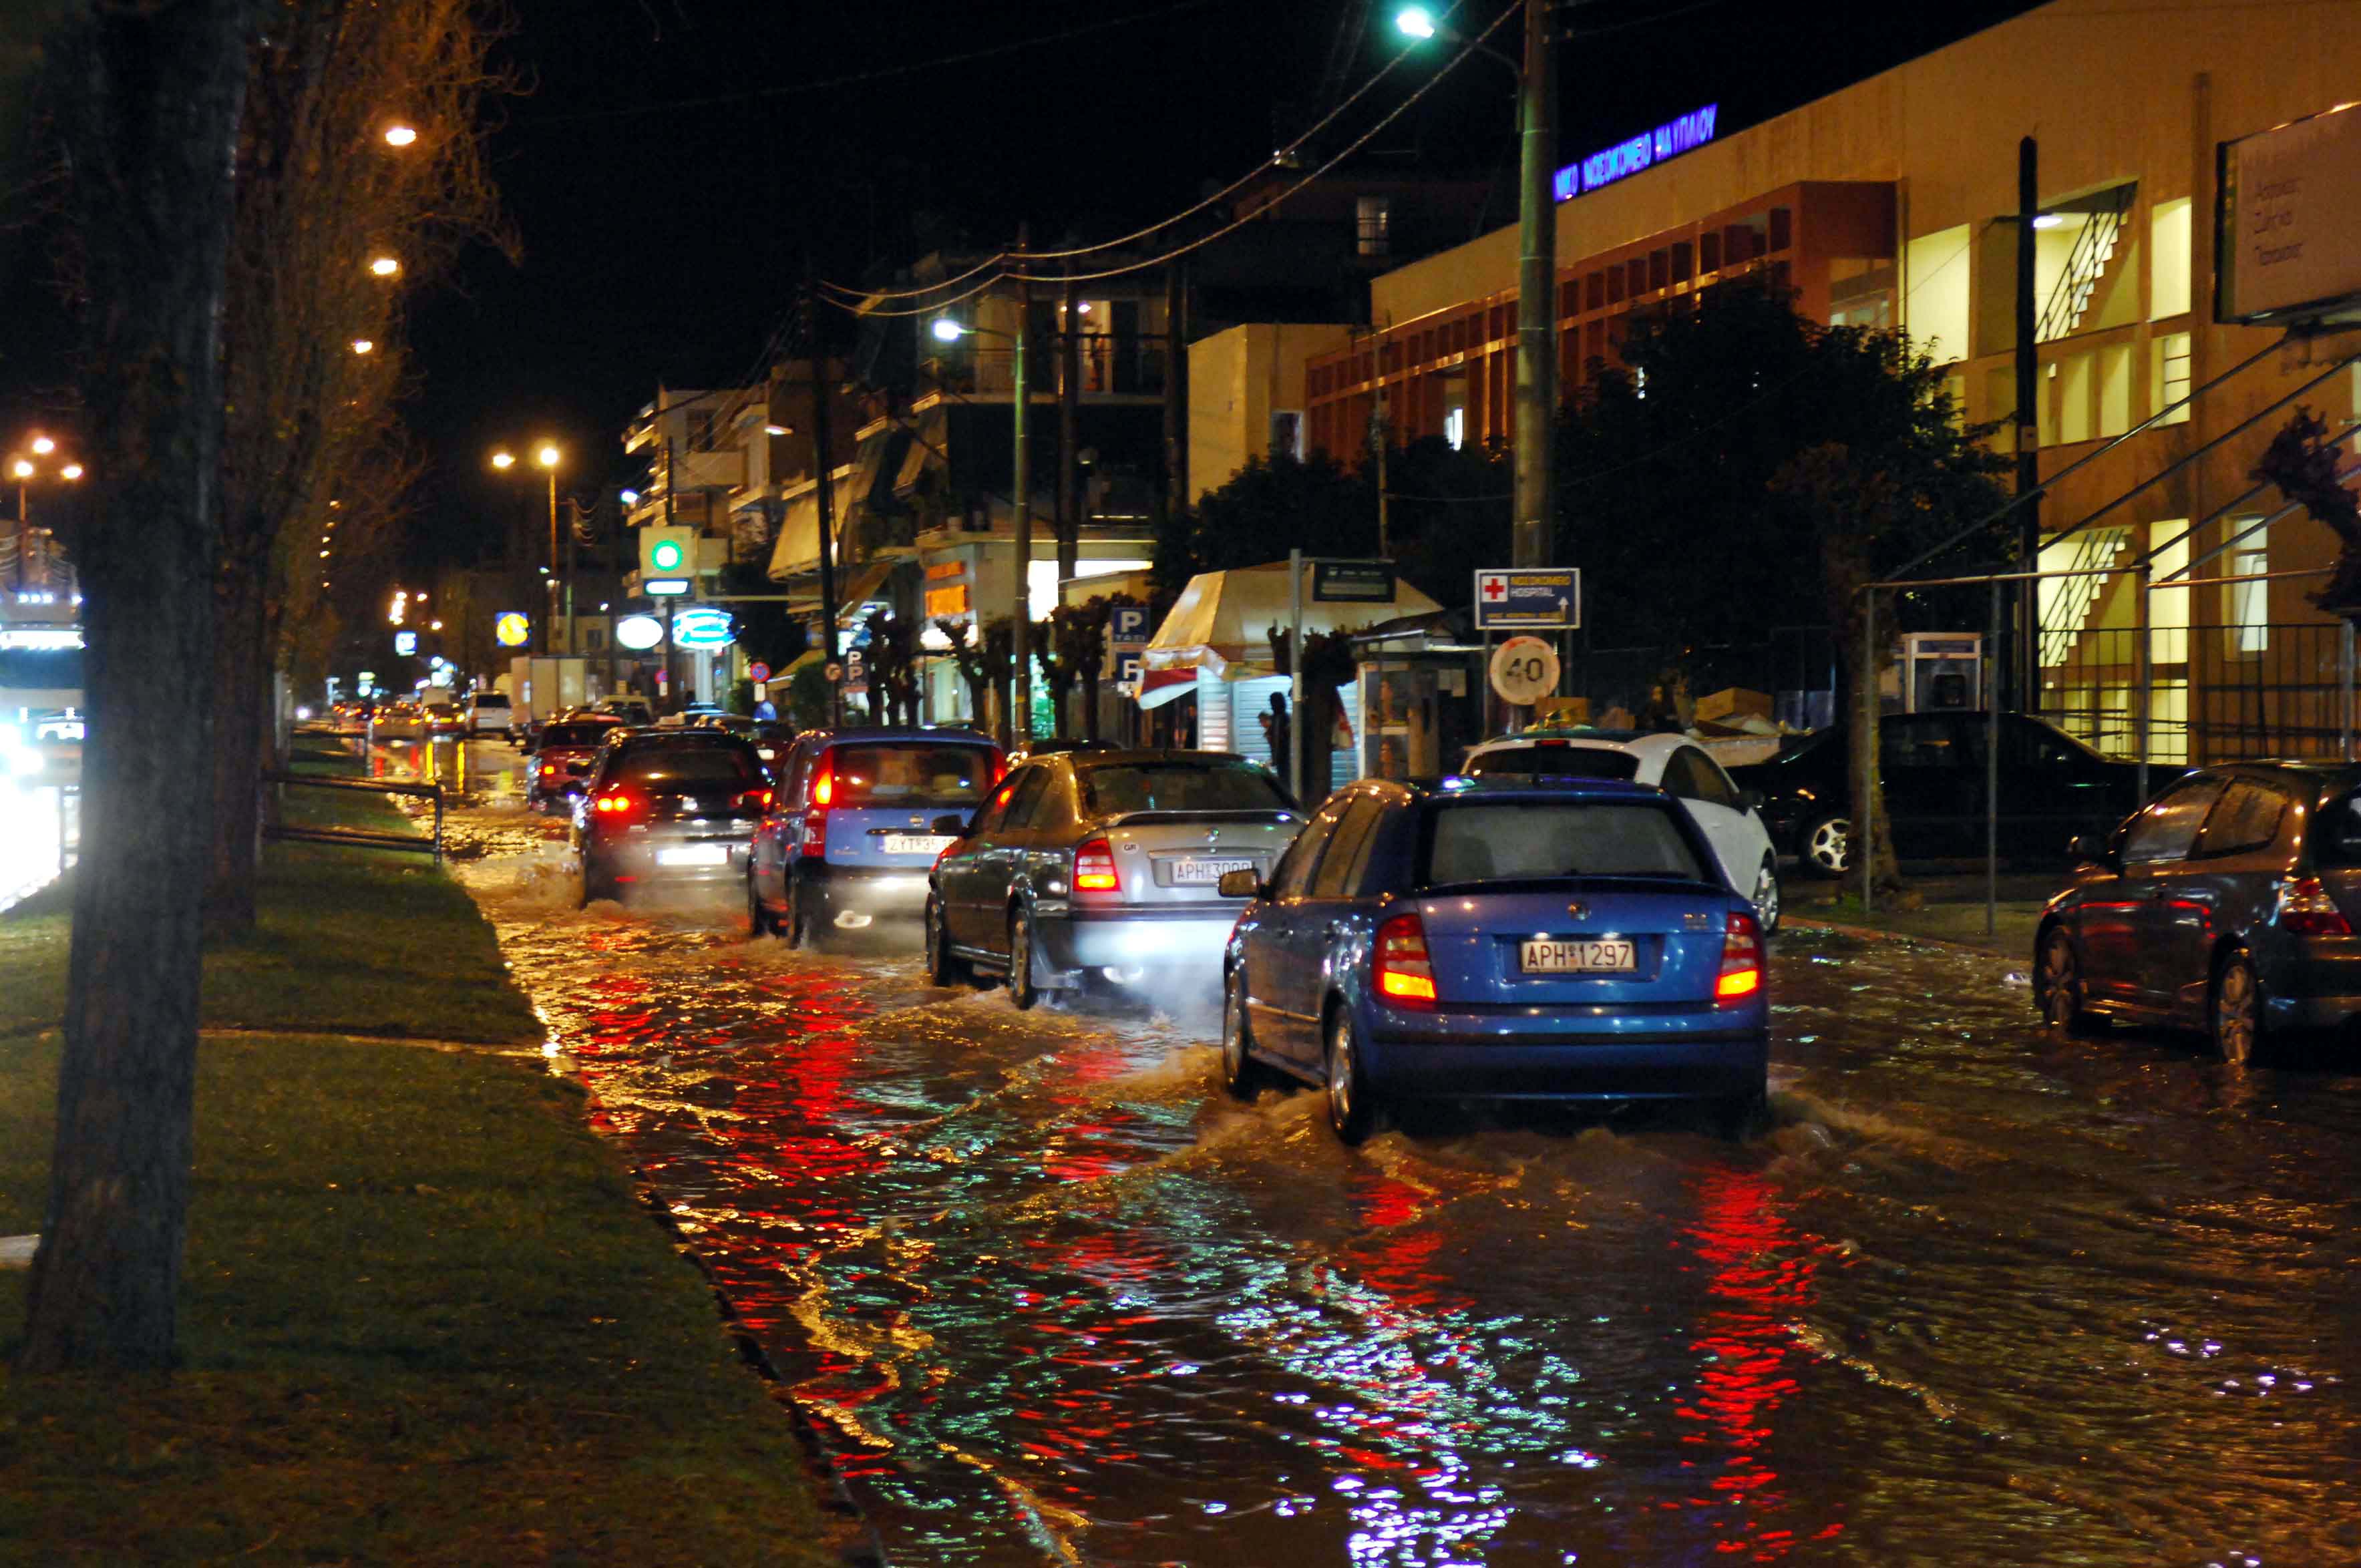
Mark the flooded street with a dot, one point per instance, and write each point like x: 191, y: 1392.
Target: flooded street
x: 1982, y: 1293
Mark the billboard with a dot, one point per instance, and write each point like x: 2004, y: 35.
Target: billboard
x: 2287, y: 236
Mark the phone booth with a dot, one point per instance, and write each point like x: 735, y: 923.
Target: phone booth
x: 1942, y: 671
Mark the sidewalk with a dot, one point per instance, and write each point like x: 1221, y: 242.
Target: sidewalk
x: 1952, y: 910
x: 425, y: 1317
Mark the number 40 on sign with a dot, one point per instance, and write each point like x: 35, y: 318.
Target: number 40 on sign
x: 1524, y: 670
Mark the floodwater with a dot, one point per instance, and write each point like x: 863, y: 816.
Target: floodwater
x: 1982, y: 1294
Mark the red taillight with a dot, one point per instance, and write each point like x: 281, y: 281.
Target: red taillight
x: 1741, y: 959
x: 999, y: 767
x: 1405, y: 975
x: 823, y: 785
x: 759, y: 799
x: 1095, y: 868
x: 617, y: 806
x: 2307, y: 910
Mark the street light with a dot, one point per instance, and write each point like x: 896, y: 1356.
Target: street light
x: 44, y: 445
x: 363, y: 346
x: 548, y: 456
x: 399, y: 134
x: 946, y: 330
x: 23, y: 470
x: 384, y: 266
x: 1536, y: 398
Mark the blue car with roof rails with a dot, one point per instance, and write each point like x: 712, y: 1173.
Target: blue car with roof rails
x: 1569, y: 940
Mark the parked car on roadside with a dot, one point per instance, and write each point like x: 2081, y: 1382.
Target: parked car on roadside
x: 669, y: 807
x: 2228, y: 903
x: 1675, y: 763
x: 857, y: 823
x: 2052, y: 787
x: 1502, y: 941
x: 1102, y: 866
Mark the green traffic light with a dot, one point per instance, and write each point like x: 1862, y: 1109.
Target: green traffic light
x: 666, y: 555
x: 1416, y: 21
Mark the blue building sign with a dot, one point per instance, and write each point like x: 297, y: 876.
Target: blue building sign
x: 1625, y: 159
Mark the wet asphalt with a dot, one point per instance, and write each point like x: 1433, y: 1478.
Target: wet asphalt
x: 1980, y: 1293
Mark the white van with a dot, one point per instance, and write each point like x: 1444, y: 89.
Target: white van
x: 488, y: 713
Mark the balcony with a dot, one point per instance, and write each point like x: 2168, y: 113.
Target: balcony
x: 1112, y: 366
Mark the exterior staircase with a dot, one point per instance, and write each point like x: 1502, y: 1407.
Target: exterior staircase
x: 2066, y: 604
x: 2086, y: 266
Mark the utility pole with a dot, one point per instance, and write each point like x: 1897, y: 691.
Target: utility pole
x: 2027, y: 651
x: 1070, y: 435
x: 823, y: 448
x: 1021, y: 652
x: 666, y: 694
x: 1176, y: 386
x: 1380, y: 439
x: 1536, y: 294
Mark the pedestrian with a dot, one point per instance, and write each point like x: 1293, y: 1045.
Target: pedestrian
x: 1275, y: 729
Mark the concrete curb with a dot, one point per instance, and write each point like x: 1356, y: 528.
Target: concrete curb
x: 1879, y: 934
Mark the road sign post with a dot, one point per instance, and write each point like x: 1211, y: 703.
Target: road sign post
x: 1524, y: 670
x: 1518, y: 600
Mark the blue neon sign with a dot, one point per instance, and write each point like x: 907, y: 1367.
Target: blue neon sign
x: 1625, y: 159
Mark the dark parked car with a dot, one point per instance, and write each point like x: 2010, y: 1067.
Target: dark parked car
x: 1104, y: 865
x: 672, y: 806
x: 568, y: 746
x: 1521, y: 940
x: 857, y: 824
x: 2052, y: 787
x: 2228, y: 903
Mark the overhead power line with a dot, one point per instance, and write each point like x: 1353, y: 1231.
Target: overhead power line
x: 1177, y: 251
x: 1222, y: 194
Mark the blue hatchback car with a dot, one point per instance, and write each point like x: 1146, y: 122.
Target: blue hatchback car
x: 1570, y: 941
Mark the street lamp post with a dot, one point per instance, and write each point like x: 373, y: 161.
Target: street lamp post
x: 1536, y: 396
x: 25, y: 470
x: 548, y: 456
x: 946, y: 330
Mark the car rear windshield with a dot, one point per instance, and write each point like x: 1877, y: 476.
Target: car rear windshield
x: 913, y: 773
x: 491, y: 699
x: 575, y: 734
x: 1120, y: 787
x: 1554, y: 762
x: 689, y: 766
x: 1469, y: 840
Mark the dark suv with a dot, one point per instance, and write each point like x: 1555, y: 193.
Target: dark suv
x: 855, y: 826
x: 669, y: 806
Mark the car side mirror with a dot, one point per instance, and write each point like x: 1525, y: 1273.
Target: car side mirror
x: 1752, y: 799
x: 2088, y: 851
x: 954, y: 826
x: 1241, y: 884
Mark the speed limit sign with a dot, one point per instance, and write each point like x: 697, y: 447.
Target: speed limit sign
x: 1524, y: 670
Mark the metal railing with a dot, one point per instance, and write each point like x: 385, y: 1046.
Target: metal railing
x: 279, y: 828
x: 2218, y: 693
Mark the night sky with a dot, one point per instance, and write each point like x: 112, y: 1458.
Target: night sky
x: 677, y: 165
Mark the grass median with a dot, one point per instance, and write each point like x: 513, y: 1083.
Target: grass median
x: 423, y: 1317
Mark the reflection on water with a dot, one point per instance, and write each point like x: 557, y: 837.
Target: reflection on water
x: 1983, y: 1294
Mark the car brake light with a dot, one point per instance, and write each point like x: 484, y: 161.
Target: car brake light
x: 823, y: 787
x: 759, y: 799
x: 1742, y: 958
x: 1405, y: 974
x: 617, y: 806
x: 1095, y: 868
x: 2307, y: 910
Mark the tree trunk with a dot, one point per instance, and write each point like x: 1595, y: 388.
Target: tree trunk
x: 245, y: 742
x: 1863, y: 763
x: 147, y: 102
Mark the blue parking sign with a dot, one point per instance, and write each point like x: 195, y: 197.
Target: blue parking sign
x: 1128, y: 626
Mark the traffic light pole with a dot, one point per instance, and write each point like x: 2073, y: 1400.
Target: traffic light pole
x: 822, y: 447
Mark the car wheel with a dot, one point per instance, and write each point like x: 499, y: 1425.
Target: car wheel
x: 1241, y: 1074
x: 1022, y: 990
x: 1825, y: 845
x: 1737, y: 1117
x: 1352, y: 1107
x: 796, y: 924
x: 943, y: 966
x: 2058, y: 988
x: 759, y: 917
x: 2237, y: 1014
x: 1766, y: 896
x: 593, y: 885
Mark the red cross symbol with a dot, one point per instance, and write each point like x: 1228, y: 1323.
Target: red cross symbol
x: 1495, y: 590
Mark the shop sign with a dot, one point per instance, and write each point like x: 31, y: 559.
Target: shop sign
x: 2290, y: 226
x: 639, y: 632
x: 1625, y: 159
x: 1352, y: 582
x: 700, y: 626
x: 511, y: 629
